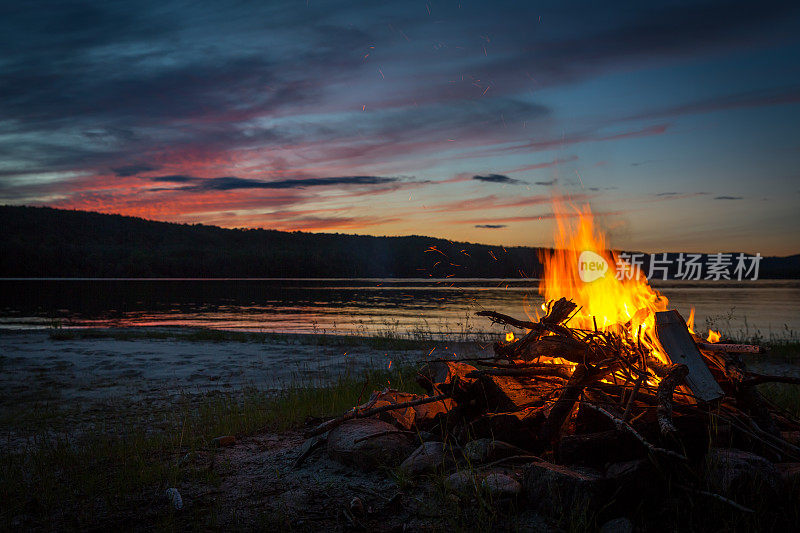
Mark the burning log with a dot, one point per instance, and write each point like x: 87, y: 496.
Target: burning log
x: 676, y: 375
x: 674, y: 336
x: 566, y: 401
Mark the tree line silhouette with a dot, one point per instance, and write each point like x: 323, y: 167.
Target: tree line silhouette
x: 47, y: 242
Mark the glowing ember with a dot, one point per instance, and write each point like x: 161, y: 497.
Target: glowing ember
x: 509, y: 337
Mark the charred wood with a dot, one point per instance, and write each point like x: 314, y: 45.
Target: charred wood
x: 677, y: 373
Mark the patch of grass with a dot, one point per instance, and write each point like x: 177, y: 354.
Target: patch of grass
x: 131, y: 457
x: 217, y: 335
x: 787, y: 352
x: 747, y: 334
x: 784, y: 395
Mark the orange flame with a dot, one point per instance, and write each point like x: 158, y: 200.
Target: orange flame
x: 509, y: 336
x: 713, y: 336
x: 606, y: 303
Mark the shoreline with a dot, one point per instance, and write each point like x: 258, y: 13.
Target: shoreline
x: 90, y: 373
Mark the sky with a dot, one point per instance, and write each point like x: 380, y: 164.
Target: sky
x: 678, y: 122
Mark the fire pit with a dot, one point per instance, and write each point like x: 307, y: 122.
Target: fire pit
x: 607, y: 375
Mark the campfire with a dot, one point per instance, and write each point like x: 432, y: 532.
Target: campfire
x: 605, y: 372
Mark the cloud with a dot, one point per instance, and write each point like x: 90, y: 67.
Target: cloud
x: 132, y: 170
x: 497, y: 178
x: 742, y: 100
x: 491, y: 226
x: 534, y: 218
x: 673, y: 195
x: 229, y: 183
x: 547, y: 183
x: 557, y: 142
x: 174, y: 178
x: 728, y: 197
x: 485, y: 203
x: 546, y: 164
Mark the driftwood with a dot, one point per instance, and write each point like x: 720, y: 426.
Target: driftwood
x: 757, y: 379
x: 308, y: 447
x: 718, y: 497
x: 622, y: 425
x: 355, y: 413
x: 730, y: 348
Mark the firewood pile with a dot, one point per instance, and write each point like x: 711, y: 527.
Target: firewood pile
x: 573, y: 403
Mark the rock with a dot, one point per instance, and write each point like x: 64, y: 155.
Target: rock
x: 596, y: 449
x: 429, y: 457
x: 532, y: 522
x: 384, y: 450
x: 423, y: 416
x: 175, y: 498
x: 557, y: 489
x: 425, y: 436
x: 501, y: 485
x: 487, y: 450
x: 618, y: 525
x: 227, y: 440
x: 357, y: 506
x: 732, y: 472
x: 634, y: 481
x: 461, y: 481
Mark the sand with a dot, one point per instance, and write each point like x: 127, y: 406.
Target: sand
x: 35, y: 368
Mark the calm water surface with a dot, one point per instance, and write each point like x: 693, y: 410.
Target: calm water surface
x: 359, y: 306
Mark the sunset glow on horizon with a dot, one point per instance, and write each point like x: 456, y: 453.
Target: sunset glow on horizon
x: 677, y: 123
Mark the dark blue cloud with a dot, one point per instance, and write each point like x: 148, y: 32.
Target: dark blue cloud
x: 229, y: 183
x: 131, y: 170
x: 175, y: 178
x: 497, y: 178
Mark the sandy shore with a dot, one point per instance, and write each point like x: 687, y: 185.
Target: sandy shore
x: 84, y: 371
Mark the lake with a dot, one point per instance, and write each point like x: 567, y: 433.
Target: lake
x: 415, y: 307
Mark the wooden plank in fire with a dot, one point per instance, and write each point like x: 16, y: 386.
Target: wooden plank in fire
x: 674, y: 336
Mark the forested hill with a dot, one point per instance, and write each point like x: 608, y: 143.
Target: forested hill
x: 46, y: 242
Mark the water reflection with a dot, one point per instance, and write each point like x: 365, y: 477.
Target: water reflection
x: 363, y: 306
